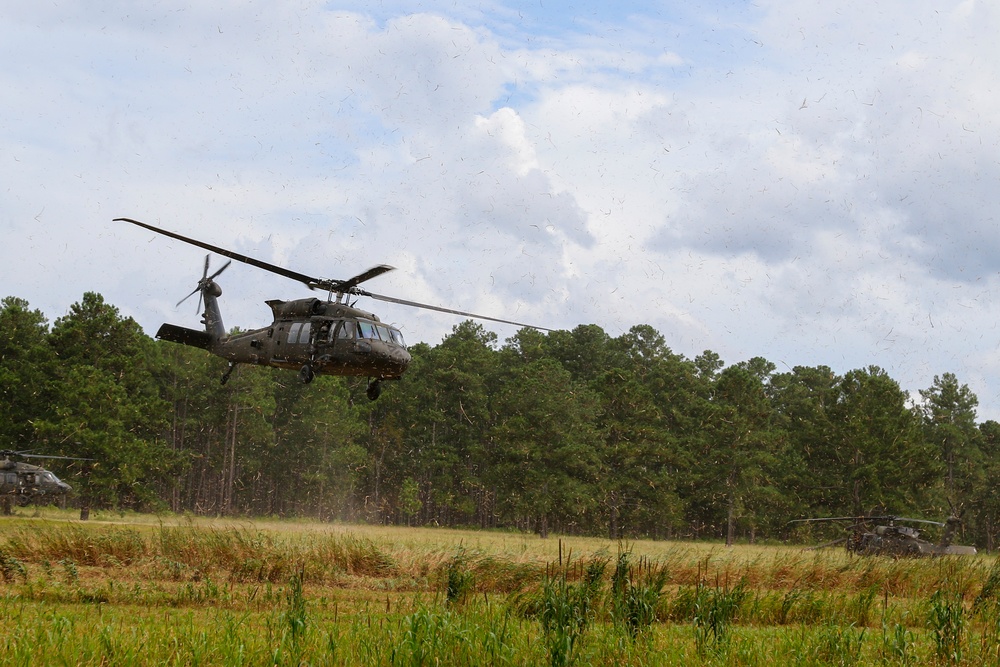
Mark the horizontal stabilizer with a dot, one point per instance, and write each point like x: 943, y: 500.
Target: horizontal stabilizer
x: 959, y: 550
x: 192, y: 337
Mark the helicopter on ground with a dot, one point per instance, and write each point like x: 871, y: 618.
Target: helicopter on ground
x: 881, y: 535
x: 22, y: 482
x: 313, y: 336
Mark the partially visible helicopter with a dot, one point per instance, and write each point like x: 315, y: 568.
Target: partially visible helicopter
x: 312, y: 336
x: 883, y: 536
x: 22, y: 482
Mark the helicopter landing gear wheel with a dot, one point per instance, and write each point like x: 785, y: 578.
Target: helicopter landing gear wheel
x: 229, y: 371
x: 374, y: 389
x: 306, y: 374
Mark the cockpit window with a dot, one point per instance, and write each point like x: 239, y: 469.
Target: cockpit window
x: 383, y: 332
x: 397, y: 337
x: 367, y: 330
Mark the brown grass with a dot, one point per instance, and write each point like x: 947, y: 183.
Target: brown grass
x: 359, y: 557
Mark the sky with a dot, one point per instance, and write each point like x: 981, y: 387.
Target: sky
x: 811, y: 183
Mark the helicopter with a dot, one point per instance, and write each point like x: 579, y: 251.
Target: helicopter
x: 883, y: 536
x: 21, y: 482
x: 312, y: 336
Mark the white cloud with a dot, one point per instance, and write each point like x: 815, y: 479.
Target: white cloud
x: 815, y: 184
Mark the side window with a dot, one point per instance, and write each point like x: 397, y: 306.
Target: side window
x: 299, y: 333
x: 346, y: 329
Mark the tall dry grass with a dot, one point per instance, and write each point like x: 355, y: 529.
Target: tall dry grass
x: 135, y: 590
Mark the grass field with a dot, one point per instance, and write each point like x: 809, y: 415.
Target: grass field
x: 184, y: 591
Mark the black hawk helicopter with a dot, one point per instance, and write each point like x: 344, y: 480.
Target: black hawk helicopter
x: 22, y: 482
x: 312, y: 336
x: 883, y: 536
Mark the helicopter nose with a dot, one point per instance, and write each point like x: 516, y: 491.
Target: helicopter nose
x: 402, y: 358
x: 396, y: 360
x: 64, y: 487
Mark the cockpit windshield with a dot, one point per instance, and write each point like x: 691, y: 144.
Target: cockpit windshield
x: 372, y: 331
x: 390, y: 334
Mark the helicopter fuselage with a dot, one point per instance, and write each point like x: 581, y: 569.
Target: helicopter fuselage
x: 333, y: 338
x: 309, y: 335
x: 24, y: 479
x: 867, y: 537
x: 901, y: 541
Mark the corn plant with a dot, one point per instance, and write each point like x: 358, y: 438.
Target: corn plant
x: 459, y: 579
x: 714, y: 611
x: 897, y: 645
x: 12, y: 568
x: 947, y: 624
x: 839, y: 645
x: 635, y: 593
x: 566, y: 609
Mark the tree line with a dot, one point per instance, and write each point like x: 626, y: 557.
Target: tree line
x: 569, y: 431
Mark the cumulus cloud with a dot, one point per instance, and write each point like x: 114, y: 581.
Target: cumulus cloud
x: 811, y: 184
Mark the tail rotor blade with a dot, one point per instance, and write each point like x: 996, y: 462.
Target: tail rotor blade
x: 196, y: 289
x: 216, y: 274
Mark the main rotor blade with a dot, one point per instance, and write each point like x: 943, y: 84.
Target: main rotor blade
x: 928, y: 521
x: 826, y: 544
x: 66, y: 458
x: 308, y: 281
x: 340, y: 286
x: 7, y: 453
x: 374, y: 272
x: 858, y: 519
x: 441, y: 309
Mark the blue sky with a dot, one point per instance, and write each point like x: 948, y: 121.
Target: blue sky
x: 810, y: 183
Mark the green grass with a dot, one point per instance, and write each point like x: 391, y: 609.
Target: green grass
x: 185, y: 591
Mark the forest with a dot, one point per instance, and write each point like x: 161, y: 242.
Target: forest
x: 573, y: 432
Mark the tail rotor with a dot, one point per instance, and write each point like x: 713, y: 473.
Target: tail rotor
x: 207, y: 282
